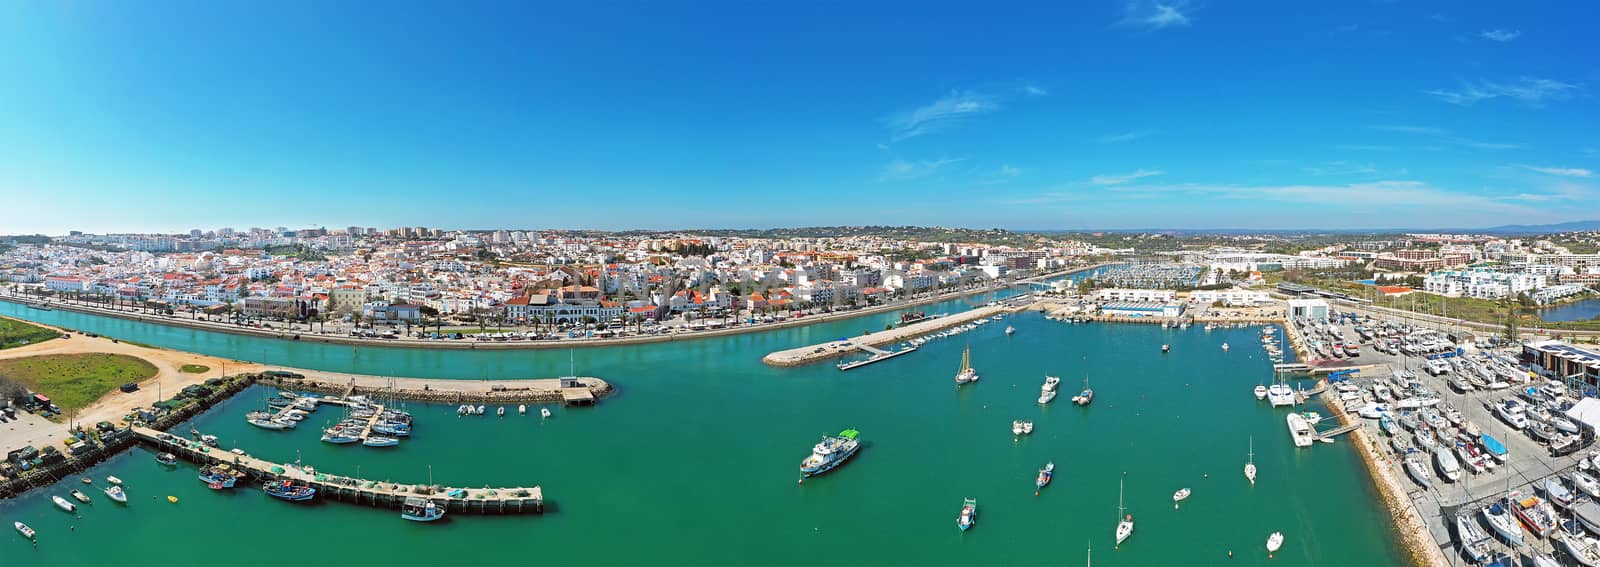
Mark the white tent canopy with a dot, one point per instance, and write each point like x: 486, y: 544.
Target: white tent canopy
x: 1586, y: 412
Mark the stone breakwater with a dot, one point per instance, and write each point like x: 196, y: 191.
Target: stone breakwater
x: 1408, y: 524
x: 570, y: 391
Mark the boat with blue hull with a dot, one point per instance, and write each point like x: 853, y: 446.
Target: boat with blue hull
x: 219, y: 476
x: 831, y: 452
x: 288, y: 490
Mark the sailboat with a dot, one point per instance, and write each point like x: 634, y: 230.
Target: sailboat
x: 1250, y: 465
x: 1087, y: 395
x: 967, y: 373
x: 1124, y: 519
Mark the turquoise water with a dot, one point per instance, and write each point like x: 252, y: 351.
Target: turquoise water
x: 695, y: 461
x: 1575, y: 311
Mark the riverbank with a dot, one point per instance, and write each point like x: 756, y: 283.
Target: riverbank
x: 230, y: 328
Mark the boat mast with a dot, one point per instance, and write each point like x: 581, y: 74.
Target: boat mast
x: 1252, y: 449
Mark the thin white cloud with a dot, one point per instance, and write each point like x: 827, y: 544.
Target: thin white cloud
x: 1155, y: 15
x: 1005, y: 174
x: 903, y: 170
x: 1110, y: 179
x: 945, y: 112
x: 1125, y: 137
x: 1501, y: 36
x: 1340, y: 168
x: 1561, y: 171
x: 1441, y: 134
x: 1034, y: 90
x: 1528, y: 90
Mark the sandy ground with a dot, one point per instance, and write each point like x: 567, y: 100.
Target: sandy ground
x: 37, y: 431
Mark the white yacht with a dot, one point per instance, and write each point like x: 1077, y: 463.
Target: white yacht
x: 1124, y: 519
x: 1021, y: 427
x: 1048, y: 391
x: 1250, y: 465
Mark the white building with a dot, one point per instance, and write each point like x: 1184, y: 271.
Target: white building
x: 1139, y: 295
x: 1230, y: 297
x: 1555, y: 292
x: 1314, y: 309
x: 1481, y: 284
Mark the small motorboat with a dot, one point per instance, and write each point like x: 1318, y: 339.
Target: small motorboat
x: 1261, y: 392
x: 544, y: 412
x: 167, y: 459
x: 478, y: 410
x: 79, y: 496
x: 63, y: 504
x: 23, y: 529
x: 1020, y: 427
x: 1010, y: 330
x: 969, y: 514
x: 1166, y: 348
x: 1179, y: 496
x: 522, y: 409
x: 114, y: 480
x: 1274, y: 542
x: 501, y: 411
x: 172, y: 499
x: 1045, y: 474
x: 116, y: 493
x: 1224, y: 347
x: 86, y: 480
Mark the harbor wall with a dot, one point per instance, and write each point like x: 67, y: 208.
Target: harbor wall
x: 1410, y: 529
x: 511, y: 391
x: 819, y: 352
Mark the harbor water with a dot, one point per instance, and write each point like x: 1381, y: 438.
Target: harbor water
x: 1576, y: 311
x: 695, y: 460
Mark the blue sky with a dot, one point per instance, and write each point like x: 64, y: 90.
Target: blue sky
x: 167, y: 115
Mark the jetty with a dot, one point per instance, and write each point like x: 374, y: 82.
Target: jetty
x: 517, y: 500
x: 877, y: 356
x: 570, y: 390
x: 841, y: 347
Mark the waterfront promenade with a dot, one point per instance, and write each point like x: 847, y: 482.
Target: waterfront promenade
x: 564, y: 343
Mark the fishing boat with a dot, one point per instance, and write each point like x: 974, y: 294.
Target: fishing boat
x: 1274, y: 542
x: 79, y: 496
x: 1500, y: 520
x: 544, y: 412
x: 1474, y: 542
x: 1045, y: 474
x: 114, y: 480
x: 420, y: 510
x: 23, y: 529
x: 116, y: 493
x: 1179, y: 496
x: 63, y: 504
x: 167, y: 459
x: 288, y: 490
x: 1250, y: 465
x: 1445, y: 460
x: 967, y: 374
x: 380, y: 441
x: 1087, y: 395
x: 831, y: 452
x: 1021, y: 427
x: 969, y: 514
x: 218, y: 477
x: 1536, y: 514
x: 1124, y: 519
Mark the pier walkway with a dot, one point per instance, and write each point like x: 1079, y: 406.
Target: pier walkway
x: 831, y: 349
x: 1328, y: 435
x: 345, y: 489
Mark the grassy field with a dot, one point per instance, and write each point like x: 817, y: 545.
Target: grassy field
x: 73, y: 381
x: 194, y: 368
x: 15, y: 333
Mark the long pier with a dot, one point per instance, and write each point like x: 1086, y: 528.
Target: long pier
x: 523, y: 500
x: 831, y: 349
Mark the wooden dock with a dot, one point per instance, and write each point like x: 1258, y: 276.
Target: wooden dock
x: 526, y: 500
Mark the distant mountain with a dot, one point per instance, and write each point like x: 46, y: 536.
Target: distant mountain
x: 1545, y: 228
